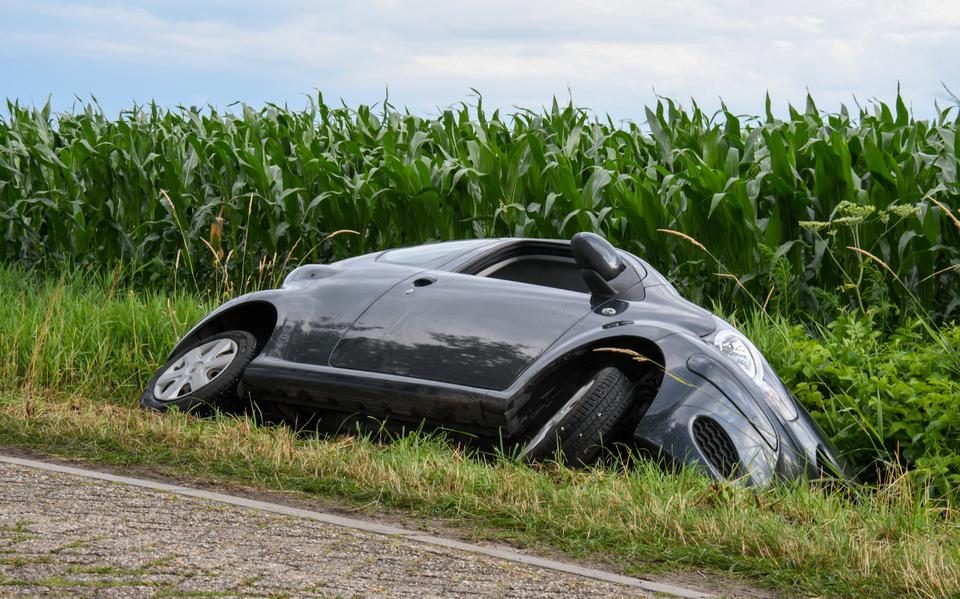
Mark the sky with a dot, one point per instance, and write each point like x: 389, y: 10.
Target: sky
x: 611, y: 57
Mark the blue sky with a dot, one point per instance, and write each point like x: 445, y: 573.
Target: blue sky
x: 612, y: 56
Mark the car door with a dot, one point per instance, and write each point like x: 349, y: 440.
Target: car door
x: 458, y: 328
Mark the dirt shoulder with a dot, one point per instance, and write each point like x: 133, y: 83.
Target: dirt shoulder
x: 63, y: 534
x: 698, y: 580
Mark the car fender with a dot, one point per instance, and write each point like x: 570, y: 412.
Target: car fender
x: 596, y: 331
x: 763, y: 448
x: 207, y: 325
x: 697, y: 420
x: 699, y: 383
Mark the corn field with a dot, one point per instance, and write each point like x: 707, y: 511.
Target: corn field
x: 799, y: 214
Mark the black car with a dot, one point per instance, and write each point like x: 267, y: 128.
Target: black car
x: 554, y: 347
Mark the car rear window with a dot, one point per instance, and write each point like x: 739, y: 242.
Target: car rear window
x: 431, y: 254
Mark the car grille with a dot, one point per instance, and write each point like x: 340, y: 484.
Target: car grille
x: 716, y: 446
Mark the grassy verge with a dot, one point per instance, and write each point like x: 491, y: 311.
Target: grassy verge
x: 73, y: 355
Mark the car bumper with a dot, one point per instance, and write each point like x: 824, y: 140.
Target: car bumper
x: 707, y: 415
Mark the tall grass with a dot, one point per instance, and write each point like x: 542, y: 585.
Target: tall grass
x: 93, y: 336
x: 886, y: 398
x: 198, y: 195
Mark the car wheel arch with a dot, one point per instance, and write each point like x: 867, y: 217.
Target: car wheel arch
x: 257, y: 317
x: 639, y: 358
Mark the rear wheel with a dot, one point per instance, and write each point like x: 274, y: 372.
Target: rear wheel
x: 206, y: 374
x: 578, y: 429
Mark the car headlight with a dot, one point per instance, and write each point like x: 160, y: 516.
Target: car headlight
x: 735, y: 346
x: 778, y: 396
x: 739, y: 349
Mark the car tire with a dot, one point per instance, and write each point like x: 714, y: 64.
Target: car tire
x: 204, y: 375
x: 579, y: 428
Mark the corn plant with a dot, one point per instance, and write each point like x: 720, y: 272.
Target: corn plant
x: 794, y: 210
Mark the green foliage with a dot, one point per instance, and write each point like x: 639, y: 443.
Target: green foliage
x: 221, y: 198
x: 884, y: 398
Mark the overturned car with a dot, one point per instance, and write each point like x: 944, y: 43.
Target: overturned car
x: 555, y: 347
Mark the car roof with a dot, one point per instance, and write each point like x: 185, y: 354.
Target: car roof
x: 449, y: 255
x: 464, y: 252
x: 469, y: 258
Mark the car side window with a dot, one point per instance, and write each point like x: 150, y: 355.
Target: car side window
x: 546, y: 271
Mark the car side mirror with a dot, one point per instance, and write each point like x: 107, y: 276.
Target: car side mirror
x: 601, y: 266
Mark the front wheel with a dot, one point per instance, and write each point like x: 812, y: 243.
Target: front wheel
x: 205, y: 374
x: 578, y: 429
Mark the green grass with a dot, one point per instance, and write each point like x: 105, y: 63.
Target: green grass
x: 205, y: 199
x: 87, y: 338
x: 884, y: 397
x: 74, y: 352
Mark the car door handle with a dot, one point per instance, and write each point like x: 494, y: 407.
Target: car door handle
x: 424, y: 281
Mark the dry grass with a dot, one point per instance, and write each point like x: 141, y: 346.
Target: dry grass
x: 891, y: 542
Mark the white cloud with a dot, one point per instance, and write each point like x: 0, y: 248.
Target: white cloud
x: 611, y: 53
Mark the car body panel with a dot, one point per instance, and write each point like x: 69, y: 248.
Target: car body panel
x: 769, y: 446
x: 459, y: 329
x: 317, y: 312
x: 469, y: 353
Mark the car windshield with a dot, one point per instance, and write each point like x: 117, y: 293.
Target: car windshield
x: 431, y: 254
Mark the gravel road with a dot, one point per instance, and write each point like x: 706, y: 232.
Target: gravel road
x: 63, y: 534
